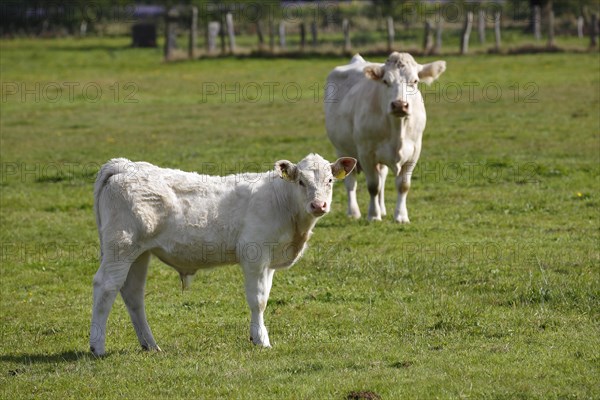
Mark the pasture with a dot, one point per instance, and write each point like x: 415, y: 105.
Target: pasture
x: 493, y: 290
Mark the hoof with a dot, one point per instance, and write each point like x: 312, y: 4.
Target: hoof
x: 264, y: 345
x: 152, y: 348
x: 353, y: 215
x: 95, y: 352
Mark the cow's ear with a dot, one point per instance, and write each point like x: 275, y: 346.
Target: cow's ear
x: 342, y: 167
x: 286, y: 170
x: 374, y: 72
x: 430, y: 72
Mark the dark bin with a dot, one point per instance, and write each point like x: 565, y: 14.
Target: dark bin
x: 144, y: 35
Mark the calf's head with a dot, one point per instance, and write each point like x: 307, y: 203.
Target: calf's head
x: 312, y: 180
x: 399, y: 77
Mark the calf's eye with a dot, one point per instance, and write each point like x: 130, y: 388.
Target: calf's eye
x: 330, y: 180
x: 301, y: 183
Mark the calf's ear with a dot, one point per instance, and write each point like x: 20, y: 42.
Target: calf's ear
x: 430, y: 72
x: 374, y: 72
x: 286, y: 170
x: 342, y: 167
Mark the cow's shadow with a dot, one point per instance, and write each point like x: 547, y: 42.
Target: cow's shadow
x: 65, y: 356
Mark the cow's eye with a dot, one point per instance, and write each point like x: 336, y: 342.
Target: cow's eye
x: 300, y: 182
x: 330, y: 180
x: 386, y: 82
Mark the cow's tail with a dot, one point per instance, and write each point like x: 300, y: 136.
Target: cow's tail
x: 113, y: 167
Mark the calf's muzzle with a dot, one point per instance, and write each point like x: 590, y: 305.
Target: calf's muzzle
x: 318, y: 207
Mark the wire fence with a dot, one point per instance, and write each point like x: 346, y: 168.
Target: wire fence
x: 275, y: 28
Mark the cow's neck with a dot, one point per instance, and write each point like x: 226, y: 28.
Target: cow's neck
x: 302, y: 231
x: 398, y: 125
x: 398, y: 129
x: 301, y: 221
x: 303, y: 225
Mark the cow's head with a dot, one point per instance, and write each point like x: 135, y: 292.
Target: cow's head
x: 400, y: 75
x: 313, y: 179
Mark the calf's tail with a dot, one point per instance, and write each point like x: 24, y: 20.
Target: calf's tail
x: 111, y: 168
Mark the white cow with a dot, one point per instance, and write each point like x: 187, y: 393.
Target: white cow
x: 192, y: 221
x: 375, y: 113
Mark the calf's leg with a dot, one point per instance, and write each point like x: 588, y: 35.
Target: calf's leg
x: 258, y: 282
x: 133, y: 296
x: 107, y: 282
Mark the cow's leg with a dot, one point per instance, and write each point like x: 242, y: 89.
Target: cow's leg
x: 350, y: 182
x: 107, y: 282
x: 258, y: 281
x: 402, y: 186
x: 133, y: 296
x: 383, y: 171
x: 374, y: 187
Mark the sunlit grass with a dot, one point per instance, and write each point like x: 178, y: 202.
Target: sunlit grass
x: 491, y: 292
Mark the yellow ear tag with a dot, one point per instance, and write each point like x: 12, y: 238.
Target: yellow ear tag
x: 341, y: 174
x: 285, y: 175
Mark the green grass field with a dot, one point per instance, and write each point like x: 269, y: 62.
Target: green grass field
x: 492, y: 292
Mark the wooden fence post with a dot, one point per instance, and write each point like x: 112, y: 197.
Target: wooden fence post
x: 302, y: 36
x: 313, y: 32
x: 438, y: 35
x: 594, y: 31
x: 481, y: 26
x: 537, y: 22
x: 214, y: 28
x: 464, y: 40
x: 551, y: 28
x: 346, y: 30
x: 167, y: 48
x: 193, y: 33
x: 282, y: 34
x: 497, y: 20
x: 390, y: 34
x: 169, y: 33
x: 222, y: 35
x: 271, y: 33
x: 428, y: 38
x: 230, y: 32
x: 261, y: 38
x: 580, y: 27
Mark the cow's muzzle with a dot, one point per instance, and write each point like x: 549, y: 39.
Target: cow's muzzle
x: 318, y: 207
x: 400, y: 108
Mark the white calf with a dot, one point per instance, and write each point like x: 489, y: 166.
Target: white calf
x: 192, y: 221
